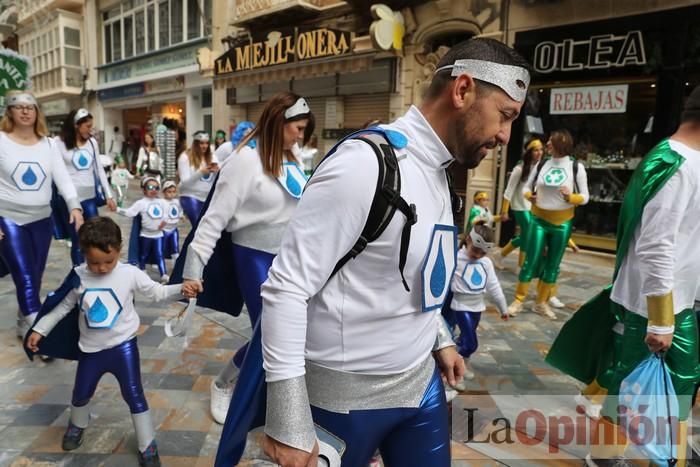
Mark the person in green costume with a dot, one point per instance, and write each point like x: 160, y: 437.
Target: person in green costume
x: 480, y: 212
x: 649, y: 306
x: 555, y: 188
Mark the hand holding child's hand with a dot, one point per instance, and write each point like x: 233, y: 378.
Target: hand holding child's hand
x: 162, y: 225
x: 33, y: 341
x: 191, y: 288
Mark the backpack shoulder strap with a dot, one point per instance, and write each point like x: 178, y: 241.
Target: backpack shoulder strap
x: 387, y: 199
x: 540, y: 165
x: 575, y: 170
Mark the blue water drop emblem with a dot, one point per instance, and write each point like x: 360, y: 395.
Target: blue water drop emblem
x: 292, y: 185
x: 98, y: 311
x: 439, y: 274
x: 477, y: 278
x: 173, y: 212
x: 82, y: 160
x: 156, y: 211
x: 29, y: 177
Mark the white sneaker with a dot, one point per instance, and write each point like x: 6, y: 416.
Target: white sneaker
x: 544, y: 310
x: 515, y: 308
x: 556, y: 303
x: 24, y: 323
x: 220, y: 400
x: 164, y: 279
x: 592, y: 409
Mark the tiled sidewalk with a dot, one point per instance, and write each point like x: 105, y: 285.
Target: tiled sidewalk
x: 35, y: 396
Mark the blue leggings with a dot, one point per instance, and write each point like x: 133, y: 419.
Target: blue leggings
x: 123, y: 362
x: 153, y: 248
x: 171, y: 243
x: 89, y: 211
x: 468, y: 341
x: 25, y: 249
x: 413, y: 437
x: 192, y: 208
x: 252, y: 266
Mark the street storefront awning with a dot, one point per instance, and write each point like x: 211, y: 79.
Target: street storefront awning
x: 301, y: 70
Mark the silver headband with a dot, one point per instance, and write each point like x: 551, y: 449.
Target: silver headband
x: 201, y: 136
x: 479, y: 242
x: 514, y: 80
x: 80, y: 114
x: 145, y: 181
x: 21, y: 99
x: 300, y: 107
x: 169, y: 184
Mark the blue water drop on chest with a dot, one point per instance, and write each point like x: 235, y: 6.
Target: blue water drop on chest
x: 82, y: 160
x: 173, y: 212
x: 156, y: 211
x: 293, y: 185
x: 29, y: 177
x: 98, y: 311
x: 439, y: 274
x: 477, y: 278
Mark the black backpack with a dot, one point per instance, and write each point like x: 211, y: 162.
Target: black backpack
x: 387, y: 199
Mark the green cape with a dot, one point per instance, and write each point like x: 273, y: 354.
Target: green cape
x: 584, y: 347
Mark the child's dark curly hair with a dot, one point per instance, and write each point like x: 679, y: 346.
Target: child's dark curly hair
x: 486, y: 232
x: 101, y: 233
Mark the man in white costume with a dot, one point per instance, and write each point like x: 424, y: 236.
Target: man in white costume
x: 361, y: 353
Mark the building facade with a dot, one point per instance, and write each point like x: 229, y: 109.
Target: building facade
x: 615, y: 75
x: 147, y: 69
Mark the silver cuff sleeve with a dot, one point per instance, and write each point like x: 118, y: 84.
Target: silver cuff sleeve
x: 288, y: 418
x: 444, y: 336
x: 73, y: 203
x: 194, y: 267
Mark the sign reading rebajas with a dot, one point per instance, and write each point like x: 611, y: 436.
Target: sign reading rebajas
x: 14, y: 72
x: 284, y: 46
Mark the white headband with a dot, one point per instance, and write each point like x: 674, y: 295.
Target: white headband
x: 300, y: 107
x: 479, y: 242
x: 169, y: 184
x: 80, y: 114
x: 21, y: 99
x: 145, y: 181
x: 201, y: 136
x: 514, y: 80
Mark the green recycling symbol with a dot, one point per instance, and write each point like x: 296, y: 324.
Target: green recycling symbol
x: 555, y: 177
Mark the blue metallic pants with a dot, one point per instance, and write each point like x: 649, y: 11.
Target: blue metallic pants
x: 252, y: 266
x: 171, y: 243
x: 89, y: 211
x: 468, y: 341
x: 192, y: 208
x: 25, y: 249
x: 151, y: 248
x: 123, y: 362
x: 413, y: 437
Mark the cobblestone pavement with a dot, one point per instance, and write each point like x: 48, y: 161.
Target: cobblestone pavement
x: 35, y: 396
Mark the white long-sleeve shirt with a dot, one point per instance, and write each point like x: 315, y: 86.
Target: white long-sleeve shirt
x: 193, y: 182
x: 251, y: 205
x: 173, y: 213
x: 515, y: 188
x: 153, y: 213
x: 107, y: 314
x: 223, y: 152
x: 121, y: 177
x: 557, y: 173
x: 664, y: 254
x: 82, y: 163
x: 26, y: 174
x: 362, y: 319
x: 472, y: 281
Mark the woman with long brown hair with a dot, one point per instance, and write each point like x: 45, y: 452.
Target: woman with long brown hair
x: 149, y: 162
x: 29, y: 164
x: 555, y: 188
x: 253, y: 200
x: 81, y: 158
x: 196, y: 168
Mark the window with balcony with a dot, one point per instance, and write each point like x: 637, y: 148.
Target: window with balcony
x: 136, y: 27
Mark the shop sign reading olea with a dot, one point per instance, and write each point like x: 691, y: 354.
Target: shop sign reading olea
x: 595, y: 52
x: 284, y: 46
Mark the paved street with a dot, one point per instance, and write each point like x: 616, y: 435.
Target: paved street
x: 35, y: 396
